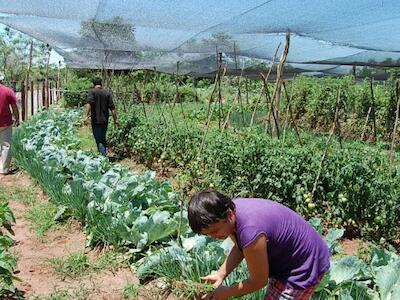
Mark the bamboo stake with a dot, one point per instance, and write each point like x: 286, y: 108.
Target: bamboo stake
x: 373, y: 108
x: 50, y: 93
x: 32, y: 98
x: 178, y: 96
x: 217, y: 75
x: 138, y: 96
x: 271, y: 110
x: 47, y: 79
x: 43, y: 96
x: 321, y: 163
x: 290, y: 111
x: 278, y: 85
x: 23, y: 101
x: 264, y: 85
x: 227, y: 118
x: 209, y: 113
x: 239, y: 97
x: 159, y: 108
x: 396, y: 122
x: 38, y: 96
x: 219, y: 95
x: 28, y: 71
x: 59, y: 81
x: 365, y: 123
x: 247, y: 90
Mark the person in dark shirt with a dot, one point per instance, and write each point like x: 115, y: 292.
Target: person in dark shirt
x: 99, y: 103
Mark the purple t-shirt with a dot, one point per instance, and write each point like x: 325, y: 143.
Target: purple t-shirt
x: 296, y: 252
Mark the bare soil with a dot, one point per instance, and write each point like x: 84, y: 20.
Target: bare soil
x: 351, y: 247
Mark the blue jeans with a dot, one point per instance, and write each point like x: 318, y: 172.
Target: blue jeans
x: 99, y: 133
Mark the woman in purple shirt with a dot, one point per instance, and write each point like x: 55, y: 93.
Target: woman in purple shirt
x: 279, y: 246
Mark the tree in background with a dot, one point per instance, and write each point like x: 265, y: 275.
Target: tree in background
x: 15, y: 49
x: 114, y: 37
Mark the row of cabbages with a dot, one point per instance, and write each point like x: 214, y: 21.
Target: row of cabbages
x: 116, y: 206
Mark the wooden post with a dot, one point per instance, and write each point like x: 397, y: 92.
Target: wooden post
x: 38, y: 96
x: 32, y: 99
x: 396, y: 122
x: 264, y: 88
x: 247, y: 91
x: 51, y: 93
x: 47, y: 77
x: 47, y: 94
x: 219, y: 92
x: 66, y: 75
x: 56, y: 91
x: 58, y: 82
x: 239, y: 97
x: 43, y: 96
x: 373, y: 108
x: 28, y: 70
x: 289, y: 110
x: 209, y: 111
x: 365, y: 124
x: 23, y: 102
x: 278, y: 86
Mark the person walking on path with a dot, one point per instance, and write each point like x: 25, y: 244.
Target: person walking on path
x: 7, y: 99
x: 99, y: 103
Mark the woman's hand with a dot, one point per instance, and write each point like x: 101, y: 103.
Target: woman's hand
x: 221, y: 293
x: 215, y: 279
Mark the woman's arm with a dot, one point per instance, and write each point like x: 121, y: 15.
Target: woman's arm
x: 233, y: 259
x: 257, y: 263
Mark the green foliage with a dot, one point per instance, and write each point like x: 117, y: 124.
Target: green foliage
x: 7, y: 260
x: 358, y: 189
x: 131, y: 291
x: 118, y: 207
x: 78, y: 264
x: 42, y: 218
x: 112, y: 31
x: 350, y: 276
x: 140, y: 213
x: 314, y: 100
x: 76, y: 92
x: 14, y: 55
x: 72, y: 266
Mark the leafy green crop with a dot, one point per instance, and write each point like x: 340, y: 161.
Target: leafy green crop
x: 7, y: 260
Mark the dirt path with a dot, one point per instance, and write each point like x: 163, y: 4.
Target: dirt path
x: 38, y: 279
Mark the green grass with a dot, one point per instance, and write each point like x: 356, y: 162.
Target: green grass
x: 110, y: 261
x: 81, y: 293
x: 71, y: 266
x: 56, y: 295
x: 131, y: 291
x: 25, y: 195
x: 41, y: 215
x: 86, y: 139
x: 78, y: 264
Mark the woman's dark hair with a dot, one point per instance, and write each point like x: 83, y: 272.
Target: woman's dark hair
x: 208, y: 207
x: 97, y: 81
